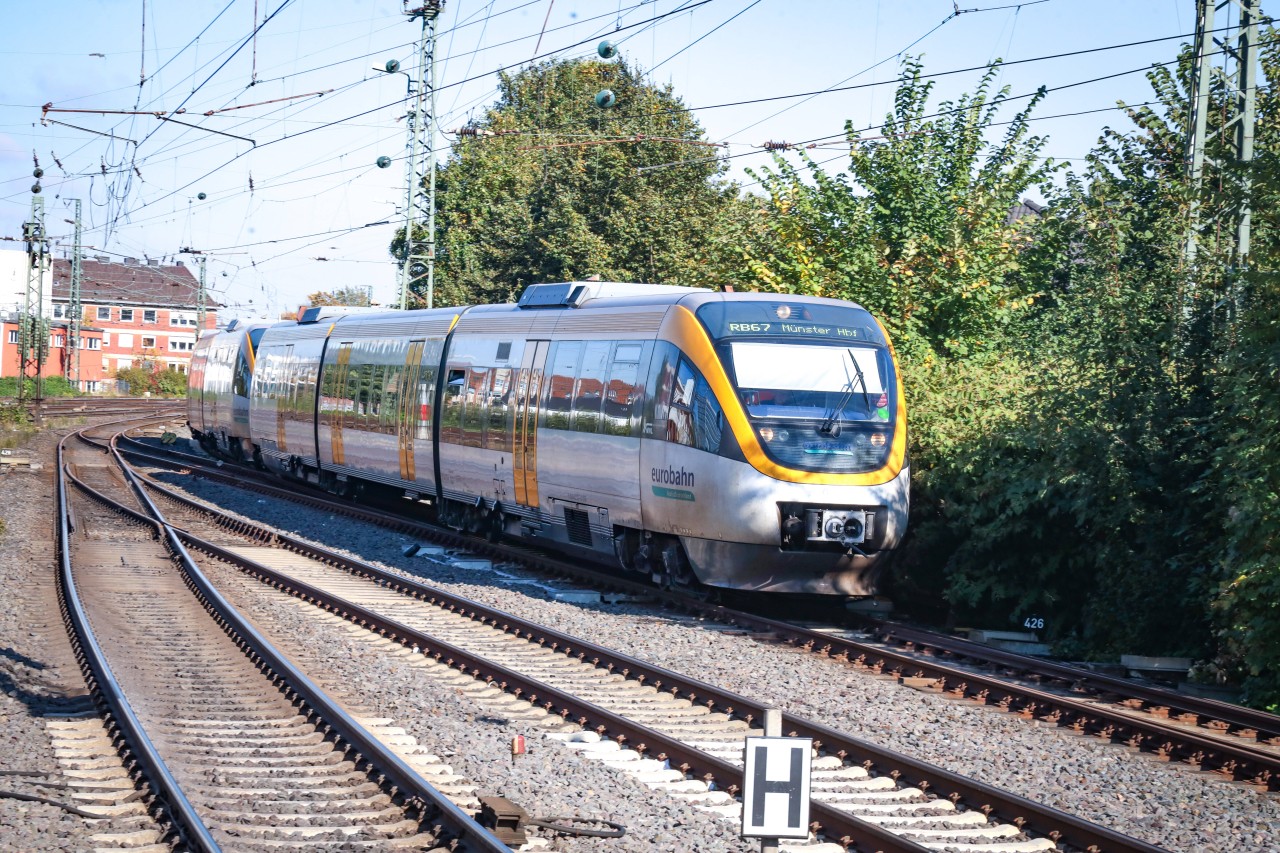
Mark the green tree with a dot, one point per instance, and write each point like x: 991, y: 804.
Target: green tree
x: 554, y: 188
x: 352, y: 295
x: 918, y: 229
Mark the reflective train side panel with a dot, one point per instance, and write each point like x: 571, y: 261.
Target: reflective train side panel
x: 222, y: 366
x: 747, y: 441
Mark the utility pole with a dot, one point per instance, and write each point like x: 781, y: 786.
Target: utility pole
x: 75, y: 317
x: 1238, y: 75
x: 30, y: 320
x: 420, y: 200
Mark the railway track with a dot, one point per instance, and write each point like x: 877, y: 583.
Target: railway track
x: 240, y: 748
x: 1237, y: 743
x: 61, y: 407
x: 674, y: 731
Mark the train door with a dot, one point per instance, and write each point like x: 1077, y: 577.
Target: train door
x: 528, y: 393
x: 410, y: 409
x: 342, y: 366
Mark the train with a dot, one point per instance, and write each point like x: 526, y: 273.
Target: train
x: 705, y: 439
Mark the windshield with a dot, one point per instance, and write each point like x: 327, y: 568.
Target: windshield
x: 818, y: 408
x: 811, y: 382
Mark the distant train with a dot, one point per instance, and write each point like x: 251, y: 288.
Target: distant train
x: 738, y: 440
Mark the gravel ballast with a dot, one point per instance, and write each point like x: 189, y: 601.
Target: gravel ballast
x: 1169, y: 805
x: 39, y: 676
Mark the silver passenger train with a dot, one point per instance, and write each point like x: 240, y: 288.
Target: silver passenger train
x: 739, y: 440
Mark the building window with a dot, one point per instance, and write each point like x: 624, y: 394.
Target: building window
x: 181, y: 318
x: 148, y: 343
x: 57, y: 341
x: 90, y: 343
x: 179, y: 366
x: 123, y: 340
x: 104, y: 313
x: 149, y: 315
x: 13, y: 336
x: 106, y: 339
x: 126, y: 315
x: 179, y: 345
x: 58, y: 312
x: 91, y: 385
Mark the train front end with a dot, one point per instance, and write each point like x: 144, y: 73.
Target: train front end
x: 808, y: 488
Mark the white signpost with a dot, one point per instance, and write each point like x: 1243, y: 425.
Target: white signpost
x: 776, y: 785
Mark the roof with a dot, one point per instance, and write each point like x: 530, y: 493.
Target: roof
x: 146, y: 283
x: 1023, y: 209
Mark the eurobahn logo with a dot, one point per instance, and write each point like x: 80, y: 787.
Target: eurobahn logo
x: 672, y: 477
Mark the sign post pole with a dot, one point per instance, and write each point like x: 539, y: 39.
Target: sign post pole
x: 772, y: 728
x: 776, y: 785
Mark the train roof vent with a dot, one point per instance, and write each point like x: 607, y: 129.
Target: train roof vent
x: 571, y: 294
x: 233, y: 325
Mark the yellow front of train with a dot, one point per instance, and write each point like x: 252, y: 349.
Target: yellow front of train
x: 778, y: 451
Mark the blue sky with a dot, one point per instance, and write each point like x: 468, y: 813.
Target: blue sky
x: 314, y: 183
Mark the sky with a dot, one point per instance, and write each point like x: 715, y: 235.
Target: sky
x: 271, y: 172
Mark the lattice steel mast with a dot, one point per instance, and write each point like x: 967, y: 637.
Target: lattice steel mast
x: 1238, y: 74
x: 420, y: 201
x: 30, y: 348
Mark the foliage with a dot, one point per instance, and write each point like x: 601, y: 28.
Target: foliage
x: 918, y: 231
x: 353, y: 296
x: 51, y: 386
x: 137, y: 378
x: 169, y: 383
x: 552, y: 188
x: 1249, y: 457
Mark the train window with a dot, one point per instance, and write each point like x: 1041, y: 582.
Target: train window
x: 391, y: 397
x: 427, y: 389
x: 501, y: 412
x: 691, y: 414
x: 559, y: 383
x: 504, y: 351
x: 475, y: 394
x: 624, y: 393
x: 451, y: 417
x: 589, y: 390
x: 680, y: 412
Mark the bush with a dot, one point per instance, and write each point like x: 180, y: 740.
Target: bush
x: 171, y: 383
x: 52, y: 386
x: 139, y: 379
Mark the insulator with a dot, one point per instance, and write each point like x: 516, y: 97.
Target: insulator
x: 383, y: 162
x: 201, y: 196
x: 605, y: 99
x: 776, y: 146
x: 607, y: 49
x: 392, y: 66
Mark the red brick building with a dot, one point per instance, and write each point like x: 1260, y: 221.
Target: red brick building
x: 148, y: 313
x: 58, y: 356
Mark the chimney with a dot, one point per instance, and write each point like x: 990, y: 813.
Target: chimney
x: 132, y: 262
x: 152, y: 262
x: 102, y: 259
x: 179, y: 263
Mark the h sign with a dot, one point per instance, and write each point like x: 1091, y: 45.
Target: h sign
x: 775, y: 791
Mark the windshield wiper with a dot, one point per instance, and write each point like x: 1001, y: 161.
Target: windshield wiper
x: 830, y: 425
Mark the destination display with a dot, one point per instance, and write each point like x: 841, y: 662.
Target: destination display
x: 781, y: 319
